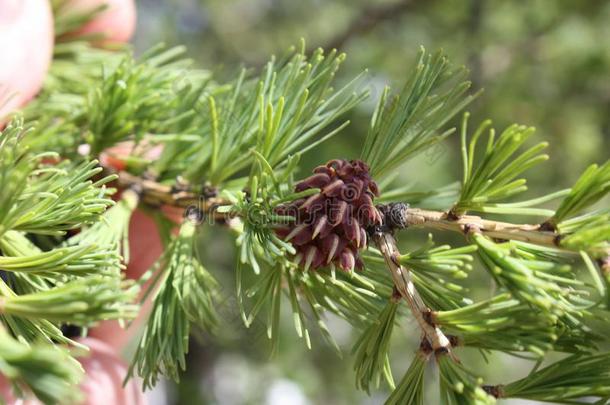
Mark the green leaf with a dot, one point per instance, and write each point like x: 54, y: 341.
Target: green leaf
x: 502, y: 323
x: 184, y: 299
x: 410, y: 389
x: 546, y: 285
x: 430, y: 278
x: 112, y: 229
x: 591, y: 187
x: 459, y: 386
x: 83, y: 301
x: 290, y: 108
x: 59, y: 198
x: 443, y: 261
x: 589, y: 233
x: 46, y: 370
x: 372, y: 361
x: 495, y: 177
x: 577, y: 379
x: 136, y: 98
x: 409, y: 122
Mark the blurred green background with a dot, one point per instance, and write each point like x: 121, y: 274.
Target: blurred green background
x: 543, y: 63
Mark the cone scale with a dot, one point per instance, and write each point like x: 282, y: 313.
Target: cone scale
x: 330, y: 226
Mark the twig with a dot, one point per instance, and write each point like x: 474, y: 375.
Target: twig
x: 496, y: 391
x: 157, y: 194
x: 196, y: 205
x: 495, y: 229
x: 404, y: 284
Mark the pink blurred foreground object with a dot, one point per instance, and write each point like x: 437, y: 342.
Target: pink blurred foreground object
x: 145, y: 247
x: 6, y: 394
x: 26, y: 40
x: 105, y: 373
x: 117, y: 23
x: 103, y: 382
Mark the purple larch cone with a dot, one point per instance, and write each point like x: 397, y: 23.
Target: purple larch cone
x: 330, y: 226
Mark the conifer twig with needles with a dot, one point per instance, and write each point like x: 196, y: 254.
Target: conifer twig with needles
x: 404, y: 284
x: 156, y: 194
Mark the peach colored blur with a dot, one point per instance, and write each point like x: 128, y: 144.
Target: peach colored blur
x: 105, y: 373
x: 117, y: 23
x: 145, y: 244
x: 103, y: 384
x: 145, y: 247
x: 26, y: 41
x: 26, y: 34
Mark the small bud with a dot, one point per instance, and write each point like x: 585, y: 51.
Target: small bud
x: 351, y: 228
x: 363, y: 238
x: 331, y: 246
x: 323, y: 169
x: 336, y: 164
x: 374, y: 189
x: 330, y: 226
x: 346, y: 171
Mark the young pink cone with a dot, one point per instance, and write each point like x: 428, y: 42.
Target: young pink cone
x: 330, y: 226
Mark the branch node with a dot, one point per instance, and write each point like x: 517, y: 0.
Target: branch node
x: 557, y: 240
x: 495, y: 391
x: 179, y: 186
x: 395, y: 258
x: 425, y: 347
x: 453, y: 340
x: 428, y: 316
x: 194, y: 214
x: 394, y: 215
x: 440, y: 351
x: 149, y: 175
x: 548, y: 226
x: 396, y: 295
x: 208, y: 191
x: 451, y: 215
x: 470, y: 229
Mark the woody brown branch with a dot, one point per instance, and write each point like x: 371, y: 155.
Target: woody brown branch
x: 404, y: 284
x: 416, y: 217
x: 157, y: 194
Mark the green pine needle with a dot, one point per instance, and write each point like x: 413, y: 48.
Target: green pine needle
x: 372, y: 361
x: 459, y: 386
x: 577, y: 379
x: 184, y: 300
x: 409, y: 122
x: 495, y: 177
x: 591, y: 187
x: 47, y: 371
x: 410, y: 389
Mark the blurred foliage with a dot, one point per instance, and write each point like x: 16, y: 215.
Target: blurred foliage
x: 543, y: 64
